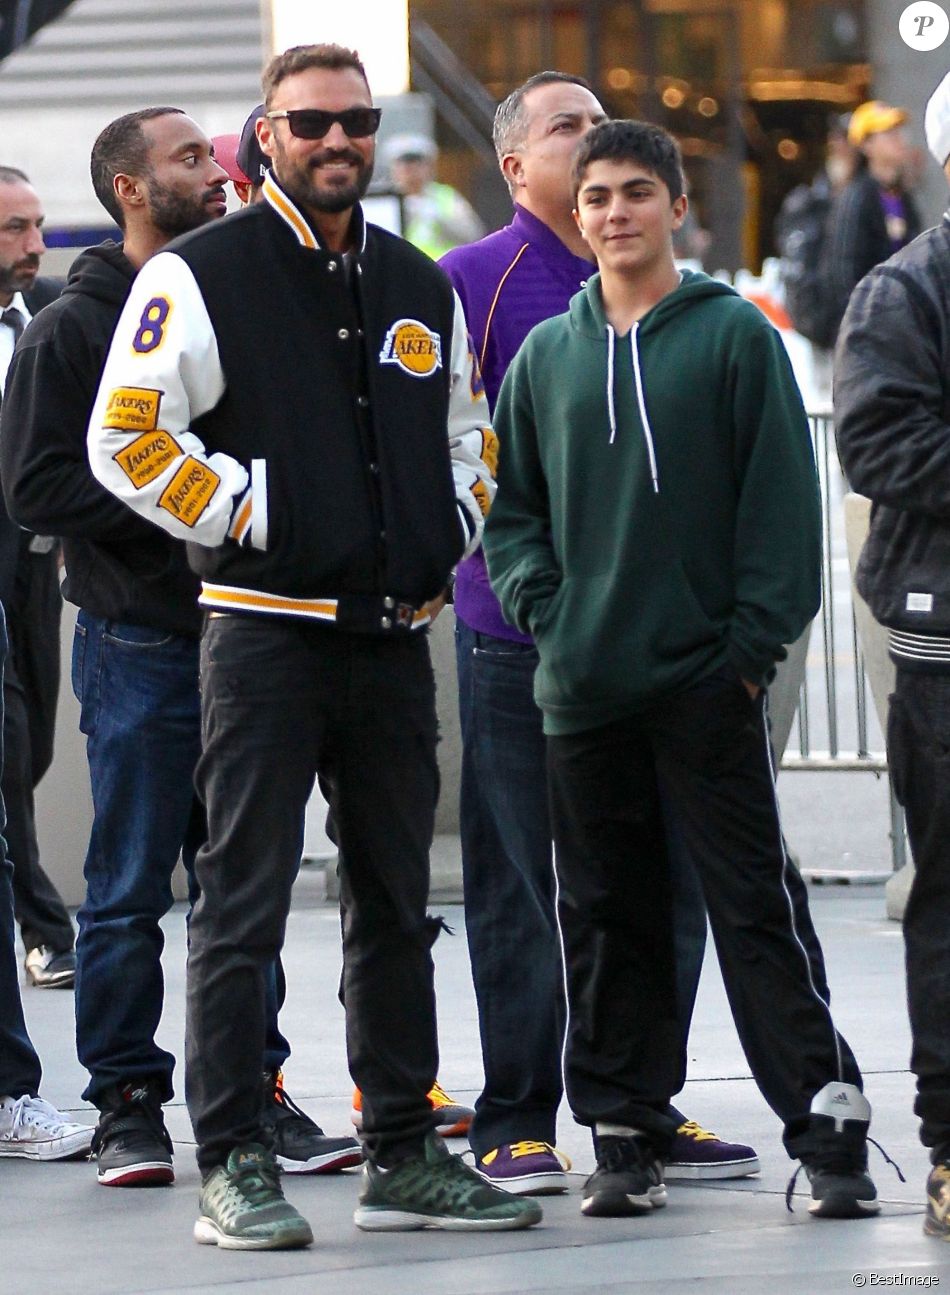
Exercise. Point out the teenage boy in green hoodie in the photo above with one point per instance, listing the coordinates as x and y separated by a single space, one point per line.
657 530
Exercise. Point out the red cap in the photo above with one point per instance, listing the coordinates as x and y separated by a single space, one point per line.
225 149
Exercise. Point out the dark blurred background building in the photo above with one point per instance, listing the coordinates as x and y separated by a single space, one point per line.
748 86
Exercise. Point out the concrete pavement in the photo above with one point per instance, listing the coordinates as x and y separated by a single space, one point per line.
60 1230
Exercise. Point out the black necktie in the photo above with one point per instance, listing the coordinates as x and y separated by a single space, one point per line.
13 319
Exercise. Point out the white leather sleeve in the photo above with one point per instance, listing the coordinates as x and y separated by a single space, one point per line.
473 445
162 372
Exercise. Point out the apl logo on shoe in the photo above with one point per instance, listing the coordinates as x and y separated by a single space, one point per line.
413 347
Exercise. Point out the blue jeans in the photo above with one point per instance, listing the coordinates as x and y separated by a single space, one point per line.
19 1064
138 690
509 887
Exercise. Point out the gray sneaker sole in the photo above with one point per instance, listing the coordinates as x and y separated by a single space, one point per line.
294 1236
58 979
331 1162
616 1204
380 1219
843 1206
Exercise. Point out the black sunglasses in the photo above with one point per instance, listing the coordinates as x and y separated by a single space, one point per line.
314 123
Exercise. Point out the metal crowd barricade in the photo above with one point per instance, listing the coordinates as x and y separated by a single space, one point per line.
845 683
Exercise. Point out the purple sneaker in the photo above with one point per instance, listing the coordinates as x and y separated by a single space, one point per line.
697 1153
526 1169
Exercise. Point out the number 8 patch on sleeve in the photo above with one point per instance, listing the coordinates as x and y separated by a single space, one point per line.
151 329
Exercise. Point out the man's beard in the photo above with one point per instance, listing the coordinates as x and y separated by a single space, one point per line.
301 182
177 213
19 276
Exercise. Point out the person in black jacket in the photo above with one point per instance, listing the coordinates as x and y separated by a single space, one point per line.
33 606
892 412
135 664
30 1128
875 214
293 391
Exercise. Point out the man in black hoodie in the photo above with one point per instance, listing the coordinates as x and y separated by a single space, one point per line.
33 605
135 660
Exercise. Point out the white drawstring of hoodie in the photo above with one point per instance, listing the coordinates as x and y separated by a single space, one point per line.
641 402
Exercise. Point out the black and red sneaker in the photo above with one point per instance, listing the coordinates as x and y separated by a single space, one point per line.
131 1144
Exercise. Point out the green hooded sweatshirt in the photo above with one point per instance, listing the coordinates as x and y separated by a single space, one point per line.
657 515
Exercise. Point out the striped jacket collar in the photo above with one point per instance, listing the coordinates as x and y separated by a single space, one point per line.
293 217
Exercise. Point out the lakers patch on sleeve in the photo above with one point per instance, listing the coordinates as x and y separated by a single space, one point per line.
132 409
489 455
147 457
190 491
482 497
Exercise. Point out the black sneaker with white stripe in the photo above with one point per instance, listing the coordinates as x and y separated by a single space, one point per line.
300 1145
131 1144
834 1154
628 1178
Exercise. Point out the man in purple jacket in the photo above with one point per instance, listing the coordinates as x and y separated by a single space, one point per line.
508 282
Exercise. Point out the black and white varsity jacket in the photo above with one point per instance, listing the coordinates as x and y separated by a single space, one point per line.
313 424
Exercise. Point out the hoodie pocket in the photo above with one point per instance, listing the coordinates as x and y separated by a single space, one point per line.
626 634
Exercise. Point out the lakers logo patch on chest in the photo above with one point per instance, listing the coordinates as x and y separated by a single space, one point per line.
413 347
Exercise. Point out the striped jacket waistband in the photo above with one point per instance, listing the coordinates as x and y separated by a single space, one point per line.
920 649
359 613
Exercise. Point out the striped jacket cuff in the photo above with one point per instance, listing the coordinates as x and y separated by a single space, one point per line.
241 520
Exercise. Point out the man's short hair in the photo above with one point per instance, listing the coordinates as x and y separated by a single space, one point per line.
511 118
300 58
122 149
651 147
13 175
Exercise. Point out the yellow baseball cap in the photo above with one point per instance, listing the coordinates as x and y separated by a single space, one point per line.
872 118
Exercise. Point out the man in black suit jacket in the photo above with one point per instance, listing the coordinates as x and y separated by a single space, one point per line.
29 591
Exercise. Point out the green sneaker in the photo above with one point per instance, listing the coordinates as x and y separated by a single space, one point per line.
243 1208
438 1190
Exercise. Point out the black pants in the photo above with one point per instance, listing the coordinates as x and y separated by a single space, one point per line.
918 751
30 694
705 753
282 702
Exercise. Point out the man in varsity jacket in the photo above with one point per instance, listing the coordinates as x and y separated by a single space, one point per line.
135 661
293 392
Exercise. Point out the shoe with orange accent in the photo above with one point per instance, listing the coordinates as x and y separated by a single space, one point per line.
454 1121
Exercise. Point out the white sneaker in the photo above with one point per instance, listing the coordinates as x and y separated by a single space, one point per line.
35 1130
47 969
